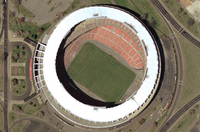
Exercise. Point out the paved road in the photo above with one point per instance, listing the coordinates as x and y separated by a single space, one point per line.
174 23
5 29
179 59
27 73
179 113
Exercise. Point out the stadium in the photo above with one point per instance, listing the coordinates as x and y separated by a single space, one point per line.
99 68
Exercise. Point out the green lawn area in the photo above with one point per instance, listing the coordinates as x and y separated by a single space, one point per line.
19 88
20 125
144 7
100 73
29 28
30 107
13 24
32 29
186 120
191 74
182 16
18 55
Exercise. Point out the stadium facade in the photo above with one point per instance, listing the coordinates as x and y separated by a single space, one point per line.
46 80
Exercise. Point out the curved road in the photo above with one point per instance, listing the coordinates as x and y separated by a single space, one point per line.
163 12
179 113
179 81
173 22
28 57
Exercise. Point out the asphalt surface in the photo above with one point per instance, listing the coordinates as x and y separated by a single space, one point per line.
179 113
174 23
5 29
179 80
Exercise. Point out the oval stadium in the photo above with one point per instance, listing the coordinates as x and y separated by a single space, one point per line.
100 67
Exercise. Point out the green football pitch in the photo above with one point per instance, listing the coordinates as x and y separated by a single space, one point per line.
100 73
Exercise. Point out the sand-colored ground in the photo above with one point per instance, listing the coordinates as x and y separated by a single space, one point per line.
185 3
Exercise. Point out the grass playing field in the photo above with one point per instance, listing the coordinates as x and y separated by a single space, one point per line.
100 73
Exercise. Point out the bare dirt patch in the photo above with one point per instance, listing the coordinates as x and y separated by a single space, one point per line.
185 3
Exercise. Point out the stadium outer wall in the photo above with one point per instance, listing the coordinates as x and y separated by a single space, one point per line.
40 84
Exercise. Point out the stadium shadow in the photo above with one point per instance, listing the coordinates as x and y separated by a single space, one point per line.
69 84
71 87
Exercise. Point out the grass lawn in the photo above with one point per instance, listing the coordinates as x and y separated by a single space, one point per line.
20 88
18 55
1 70
143 6
13 116
29 28
186 121
32 28
182 17
13 24
191 74
100 73
18 71
31 107
20 125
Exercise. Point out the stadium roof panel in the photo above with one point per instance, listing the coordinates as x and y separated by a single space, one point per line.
65 99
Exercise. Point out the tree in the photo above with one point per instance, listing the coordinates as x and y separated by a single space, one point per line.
180 10
144 16
34 36
192 111
155 124
190 22
142 121
40 30
159 100
152 22
20 20
14 81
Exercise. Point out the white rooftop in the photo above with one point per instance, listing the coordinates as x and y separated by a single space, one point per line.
71 104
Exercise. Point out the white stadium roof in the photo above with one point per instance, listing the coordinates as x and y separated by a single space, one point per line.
71 104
